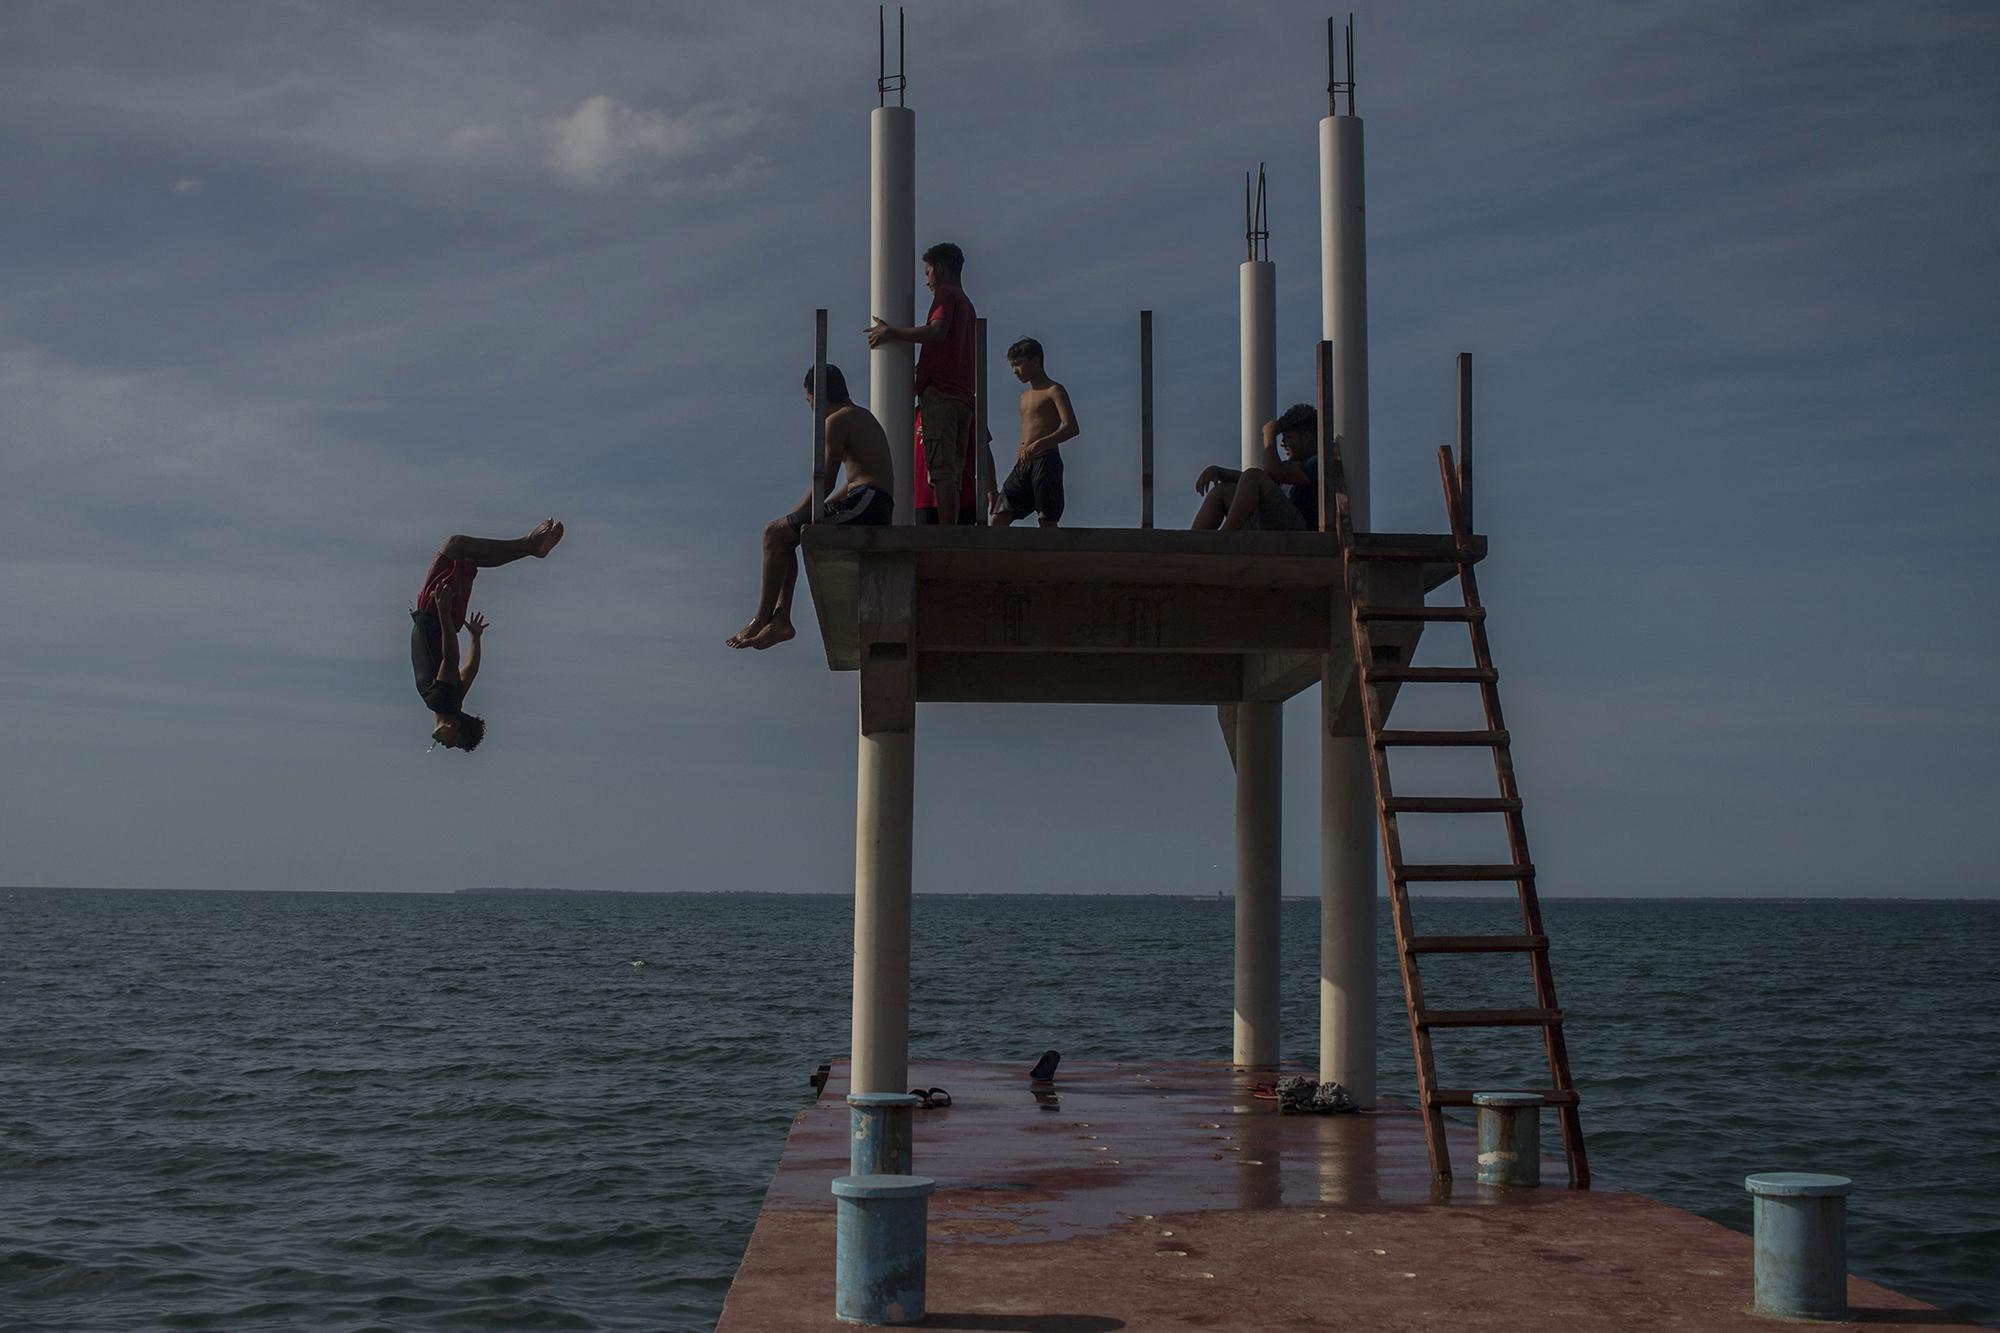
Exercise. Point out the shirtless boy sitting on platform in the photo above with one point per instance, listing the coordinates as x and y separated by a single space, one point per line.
1035 486
440 614
854 440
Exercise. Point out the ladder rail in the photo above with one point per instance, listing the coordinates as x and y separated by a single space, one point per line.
1517 830
1336 513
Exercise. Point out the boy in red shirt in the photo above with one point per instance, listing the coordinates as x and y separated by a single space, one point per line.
945 378
440 615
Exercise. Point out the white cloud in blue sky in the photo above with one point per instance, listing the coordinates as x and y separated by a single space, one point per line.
291 291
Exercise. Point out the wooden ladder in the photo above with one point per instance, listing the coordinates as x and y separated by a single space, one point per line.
1410 946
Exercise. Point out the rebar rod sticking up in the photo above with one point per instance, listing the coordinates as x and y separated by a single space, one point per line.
1335 85
885 82
1256 220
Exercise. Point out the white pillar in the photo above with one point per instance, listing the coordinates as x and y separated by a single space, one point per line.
1260 727
892 266
1343 257
1347 916
1260 753
1257 291
1347 813
884 787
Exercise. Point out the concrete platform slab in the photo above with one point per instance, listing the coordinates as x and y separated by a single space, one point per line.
1166 1196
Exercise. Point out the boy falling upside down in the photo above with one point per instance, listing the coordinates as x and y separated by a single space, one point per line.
440 614
854 441
1035 486
1281 496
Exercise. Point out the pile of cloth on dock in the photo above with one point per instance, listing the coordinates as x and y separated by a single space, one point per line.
1300 1093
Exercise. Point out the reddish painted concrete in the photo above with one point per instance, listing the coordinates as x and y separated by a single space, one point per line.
1164 1196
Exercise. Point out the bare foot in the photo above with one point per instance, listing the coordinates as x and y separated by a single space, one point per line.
544 537
771 635
741 638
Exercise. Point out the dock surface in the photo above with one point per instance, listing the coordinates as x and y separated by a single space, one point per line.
1167 1196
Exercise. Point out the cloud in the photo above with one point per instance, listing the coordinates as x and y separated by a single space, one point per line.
604 141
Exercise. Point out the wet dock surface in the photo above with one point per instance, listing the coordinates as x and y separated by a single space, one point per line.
1164 1196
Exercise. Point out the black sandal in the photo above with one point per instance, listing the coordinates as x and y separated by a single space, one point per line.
930 1099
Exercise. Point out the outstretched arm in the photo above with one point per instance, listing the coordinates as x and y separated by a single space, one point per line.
476 624
880 332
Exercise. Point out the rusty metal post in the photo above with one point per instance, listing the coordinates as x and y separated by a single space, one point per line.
1145 418
819 478
1465 436
982 453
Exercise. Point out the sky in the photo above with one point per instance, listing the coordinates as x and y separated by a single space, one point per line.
291 290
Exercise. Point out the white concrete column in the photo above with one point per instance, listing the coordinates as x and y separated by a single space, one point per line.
883 802
1260 755
892 268
1347 811
1257 293
1347 917
1260 726
1343 254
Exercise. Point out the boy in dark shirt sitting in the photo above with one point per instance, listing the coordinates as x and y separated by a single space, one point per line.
1281 496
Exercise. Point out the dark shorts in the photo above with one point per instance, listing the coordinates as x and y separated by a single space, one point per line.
1035 487
862 507
426 656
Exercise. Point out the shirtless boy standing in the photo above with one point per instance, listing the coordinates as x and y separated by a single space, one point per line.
854 440
1035 486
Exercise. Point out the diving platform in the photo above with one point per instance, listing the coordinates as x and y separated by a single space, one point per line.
1107 615
1166 1195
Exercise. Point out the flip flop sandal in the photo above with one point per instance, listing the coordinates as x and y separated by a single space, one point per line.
1265 1091
937 1097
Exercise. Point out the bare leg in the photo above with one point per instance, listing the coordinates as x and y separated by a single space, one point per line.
1045 522
1251 488
1003 517
947 507
1213 506
491 552
779 544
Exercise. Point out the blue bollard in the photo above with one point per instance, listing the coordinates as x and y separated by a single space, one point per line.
1510 1137
1801 1237
879 1248
883 1127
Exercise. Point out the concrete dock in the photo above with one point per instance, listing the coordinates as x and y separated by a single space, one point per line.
1167 1196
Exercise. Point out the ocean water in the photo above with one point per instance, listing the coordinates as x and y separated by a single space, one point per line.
355 1111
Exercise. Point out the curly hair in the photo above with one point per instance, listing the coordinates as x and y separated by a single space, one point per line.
1299 417
471 731
945 255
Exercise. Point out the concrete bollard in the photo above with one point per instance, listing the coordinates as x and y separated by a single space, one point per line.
879 1245
1800 1224
882 1125
1510 1137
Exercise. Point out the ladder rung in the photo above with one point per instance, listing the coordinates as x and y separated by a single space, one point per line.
1477 944
1489 1018
1453 805
1434 675
1466 873
1464 1096
1415 555
1388 738
1463 613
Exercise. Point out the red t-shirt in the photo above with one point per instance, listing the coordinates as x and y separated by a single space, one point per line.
945 362
452 578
